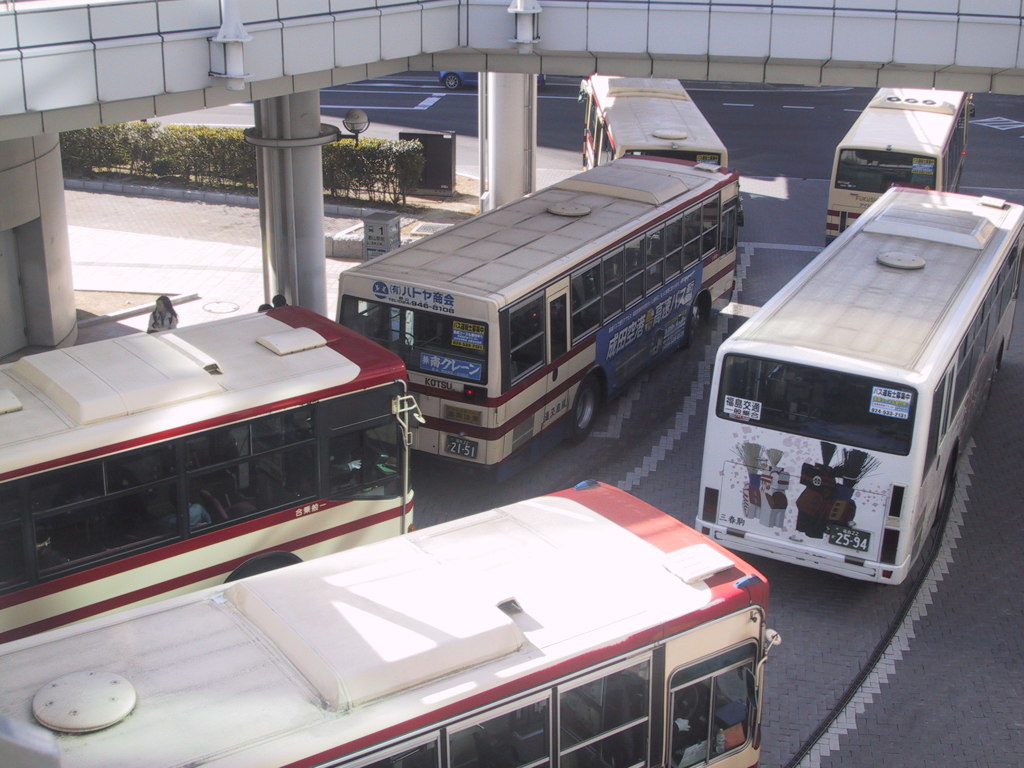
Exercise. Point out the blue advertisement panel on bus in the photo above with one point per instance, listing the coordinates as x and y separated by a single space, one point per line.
647 331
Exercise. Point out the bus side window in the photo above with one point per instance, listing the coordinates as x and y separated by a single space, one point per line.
526 337
515 738
712 707
12 550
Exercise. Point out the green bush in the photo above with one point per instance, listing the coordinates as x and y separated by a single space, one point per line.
219 158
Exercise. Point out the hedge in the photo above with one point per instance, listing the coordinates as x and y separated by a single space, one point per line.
219 158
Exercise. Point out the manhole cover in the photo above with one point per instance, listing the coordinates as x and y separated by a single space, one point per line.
221 307
428 228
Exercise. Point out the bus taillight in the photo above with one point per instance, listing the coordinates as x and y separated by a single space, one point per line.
890 543
473 394
710 510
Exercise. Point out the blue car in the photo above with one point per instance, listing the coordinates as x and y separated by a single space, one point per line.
455 80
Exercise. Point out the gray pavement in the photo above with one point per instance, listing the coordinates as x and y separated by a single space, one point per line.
205 255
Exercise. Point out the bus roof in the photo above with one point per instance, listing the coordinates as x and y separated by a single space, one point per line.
905 120
884 291
128 390
387 637
503 253
652 113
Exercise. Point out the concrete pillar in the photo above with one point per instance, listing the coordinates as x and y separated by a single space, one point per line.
508 139
288 136
37 300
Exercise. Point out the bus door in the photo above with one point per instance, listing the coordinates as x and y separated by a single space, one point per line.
557 300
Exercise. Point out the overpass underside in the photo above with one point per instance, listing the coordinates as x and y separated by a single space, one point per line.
67 65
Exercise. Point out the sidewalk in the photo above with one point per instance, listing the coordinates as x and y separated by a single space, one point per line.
206 256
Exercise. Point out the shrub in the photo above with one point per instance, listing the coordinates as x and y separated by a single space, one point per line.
216 158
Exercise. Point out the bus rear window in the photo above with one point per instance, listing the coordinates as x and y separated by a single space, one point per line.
873 170
428 342
818 403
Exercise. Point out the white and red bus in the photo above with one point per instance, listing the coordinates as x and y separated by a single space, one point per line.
582 628
904 137
515 324
153 464
645 116
838 411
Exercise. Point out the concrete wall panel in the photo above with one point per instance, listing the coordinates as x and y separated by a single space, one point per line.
357 39
308 46
928 6
187 62
617 28
562 28
440 30
257 11
987 43
264 57
672 30
994 7
804 35
186 15
399 33
123 19
127 110
12 88
863 37
489 27
743 33
52 27
59 76
923 39
128 72
8 32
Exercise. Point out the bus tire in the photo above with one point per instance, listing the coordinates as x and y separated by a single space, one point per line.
948 486
584 409
268 561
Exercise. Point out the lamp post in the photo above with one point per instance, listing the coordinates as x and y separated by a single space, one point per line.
356 121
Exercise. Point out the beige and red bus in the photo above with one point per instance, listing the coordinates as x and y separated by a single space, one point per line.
150 465
581 628
516 324
903 138
645 116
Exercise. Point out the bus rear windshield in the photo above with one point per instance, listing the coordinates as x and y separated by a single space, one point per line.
696 155
427 341
818 403
875 170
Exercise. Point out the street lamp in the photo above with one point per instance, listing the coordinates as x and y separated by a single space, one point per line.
356 121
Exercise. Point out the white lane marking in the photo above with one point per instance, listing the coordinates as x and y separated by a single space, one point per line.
730 104
794 106
846 721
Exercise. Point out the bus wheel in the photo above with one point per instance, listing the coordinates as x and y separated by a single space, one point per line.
584 409
948 486
268 561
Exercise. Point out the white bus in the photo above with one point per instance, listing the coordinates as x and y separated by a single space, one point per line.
153 464
645 116
903 137
583 628
516 323
839 410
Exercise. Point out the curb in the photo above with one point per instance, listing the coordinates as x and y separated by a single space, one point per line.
121 314
208 196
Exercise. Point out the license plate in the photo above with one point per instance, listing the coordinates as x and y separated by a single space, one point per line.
460 446
851 538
